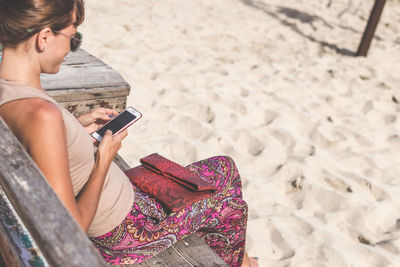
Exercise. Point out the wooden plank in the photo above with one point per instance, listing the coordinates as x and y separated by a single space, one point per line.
19 245
188 252
80 57
83 77
79 107
370 28
84 82
81 70
170 257
9 255
56 233
197 252
152 262
88 94
121 163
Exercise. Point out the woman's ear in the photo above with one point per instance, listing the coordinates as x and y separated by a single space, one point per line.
43 38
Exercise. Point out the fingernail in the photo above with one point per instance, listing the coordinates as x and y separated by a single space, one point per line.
111 116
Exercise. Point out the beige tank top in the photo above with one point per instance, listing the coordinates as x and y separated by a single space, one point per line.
117 196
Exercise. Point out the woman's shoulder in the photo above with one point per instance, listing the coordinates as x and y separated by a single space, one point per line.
41 116
33 116
30 110
43 110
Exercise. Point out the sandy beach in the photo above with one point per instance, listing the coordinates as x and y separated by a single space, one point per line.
314 131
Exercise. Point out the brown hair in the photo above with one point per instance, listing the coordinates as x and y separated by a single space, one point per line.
21 19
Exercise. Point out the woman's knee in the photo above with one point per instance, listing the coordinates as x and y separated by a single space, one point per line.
224 163
220 170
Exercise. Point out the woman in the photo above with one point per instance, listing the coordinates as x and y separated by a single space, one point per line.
125 224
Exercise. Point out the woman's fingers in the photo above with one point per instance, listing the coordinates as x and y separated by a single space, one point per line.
110 144
101 116
108 134
106 111
121 135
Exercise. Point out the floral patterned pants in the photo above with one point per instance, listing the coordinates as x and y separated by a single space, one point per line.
220 220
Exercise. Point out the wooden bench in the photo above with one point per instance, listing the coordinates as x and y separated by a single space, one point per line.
35 227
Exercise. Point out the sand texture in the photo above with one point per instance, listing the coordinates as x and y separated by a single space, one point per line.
273 84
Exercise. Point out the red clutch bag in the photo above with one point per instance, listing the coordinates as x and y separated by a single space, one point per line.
173 186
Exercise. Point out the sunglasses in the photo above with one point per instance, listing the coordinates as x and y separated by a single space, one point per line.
75 40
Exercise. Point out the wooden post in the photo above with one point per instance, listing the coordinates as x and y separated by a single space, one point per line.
370 28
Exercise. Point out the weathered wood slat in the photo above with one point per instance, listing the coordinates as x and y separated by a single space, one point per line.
94 93
81 57
188 252
56 233
197 252
79 107
121 163
191 251
84 82
152 262
170 257
8 252
82 78
17 246
81 70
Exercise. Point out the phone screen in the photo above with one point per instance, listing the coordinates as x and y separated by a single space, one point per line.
117 123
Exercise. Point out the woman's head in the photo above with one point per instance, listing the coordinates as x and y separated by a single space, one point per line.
21 19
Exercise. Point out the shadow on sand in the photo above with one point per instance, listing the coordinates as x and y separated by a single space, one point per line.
303 18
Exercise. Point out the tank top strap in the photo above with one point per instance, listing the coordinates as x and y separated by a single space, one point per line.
10 91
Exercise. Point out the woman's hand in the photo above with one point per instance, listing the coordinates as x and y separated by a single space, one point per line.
96 118
109 146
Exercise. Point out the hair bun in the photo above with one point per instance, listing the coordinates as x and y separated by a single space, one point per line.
21 19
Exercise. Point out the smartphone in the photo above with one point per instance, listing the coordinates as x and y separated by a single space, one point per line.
124 119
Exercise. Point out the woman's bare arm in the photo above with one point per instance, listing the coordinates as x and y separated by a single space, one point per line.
45 140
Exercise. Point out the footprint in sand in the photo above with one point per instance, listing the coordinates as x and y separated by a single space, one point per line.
391 245
295 228
175 100
317 137
248 142
162 114
371 226
279 248
301 151
200 112
389 175
271 241
172 84
365 184
335 182
318 252
179 150
261 118
191 128
284 138
328 200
